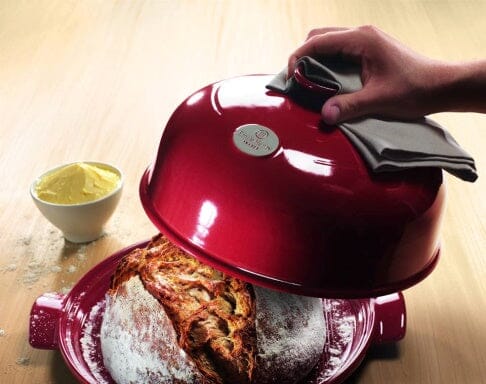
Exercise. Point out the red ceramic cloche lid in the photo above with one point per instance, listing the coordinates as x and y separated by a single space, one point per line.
253 184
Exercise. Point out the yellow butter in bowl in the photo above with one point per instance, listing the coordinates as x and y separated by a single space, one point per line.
77 183
78 198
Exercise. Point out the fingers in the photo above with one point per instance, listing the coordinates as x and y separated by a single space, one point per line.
322 31
336 42
348 106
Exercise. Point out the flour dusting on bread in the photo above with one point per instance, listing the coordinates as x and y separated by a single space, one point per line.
132 320
290 334
171 319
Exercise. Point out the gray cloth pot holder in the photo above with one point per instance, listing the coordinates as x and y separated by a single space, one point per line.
385 145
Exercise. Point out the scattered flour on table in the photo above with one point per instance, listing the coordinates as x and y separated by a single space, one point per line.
42 253
81 253
2 332
65 289
56 269
23 361
39 249
9 267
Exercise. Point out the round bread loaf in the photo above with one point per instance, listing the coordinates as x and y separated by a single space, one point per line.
171 319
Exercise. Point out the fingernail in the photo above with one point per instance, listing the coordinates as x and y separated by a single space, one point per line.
330 114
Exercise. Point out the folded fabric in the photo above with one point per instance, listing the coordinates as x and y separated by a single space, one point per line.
385 145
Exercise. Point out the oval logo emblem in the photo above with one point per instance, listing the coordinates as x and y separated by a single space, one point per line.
255 140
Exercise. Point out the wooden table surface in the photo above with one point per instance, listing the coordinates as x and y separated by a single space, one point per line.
97 80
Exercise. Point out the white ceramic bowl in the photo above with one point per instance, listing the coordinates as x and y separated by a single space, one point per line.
83 222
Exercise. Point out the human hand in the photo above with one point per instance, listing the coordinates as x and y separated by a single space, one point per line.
397 82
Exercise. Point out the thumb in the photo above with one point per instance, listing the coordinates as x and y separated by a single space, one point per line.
347 106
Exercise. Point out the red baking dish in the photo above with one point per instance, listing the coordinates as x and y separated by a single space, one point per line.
254 184
71 323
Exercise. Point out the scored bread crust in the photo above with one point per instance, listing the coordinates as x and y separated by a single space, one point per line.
139 343
222 330
213 314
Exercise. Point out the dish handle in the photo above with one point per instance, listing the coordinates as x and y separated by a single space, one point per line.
307 92
44 320
390 318
327 91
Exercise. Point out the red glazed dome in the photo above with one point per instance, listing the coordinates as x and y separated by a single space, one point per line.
253 184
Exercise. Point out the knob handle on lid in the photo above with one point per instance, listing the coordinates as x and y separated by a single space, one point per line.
326 91
308 93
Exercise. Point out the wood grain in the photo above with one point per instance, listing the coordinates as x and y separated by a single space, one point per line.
97 80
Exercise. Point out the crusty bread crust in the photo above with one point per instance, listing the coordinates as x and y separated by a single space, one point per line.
204 326
213 314
139 343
